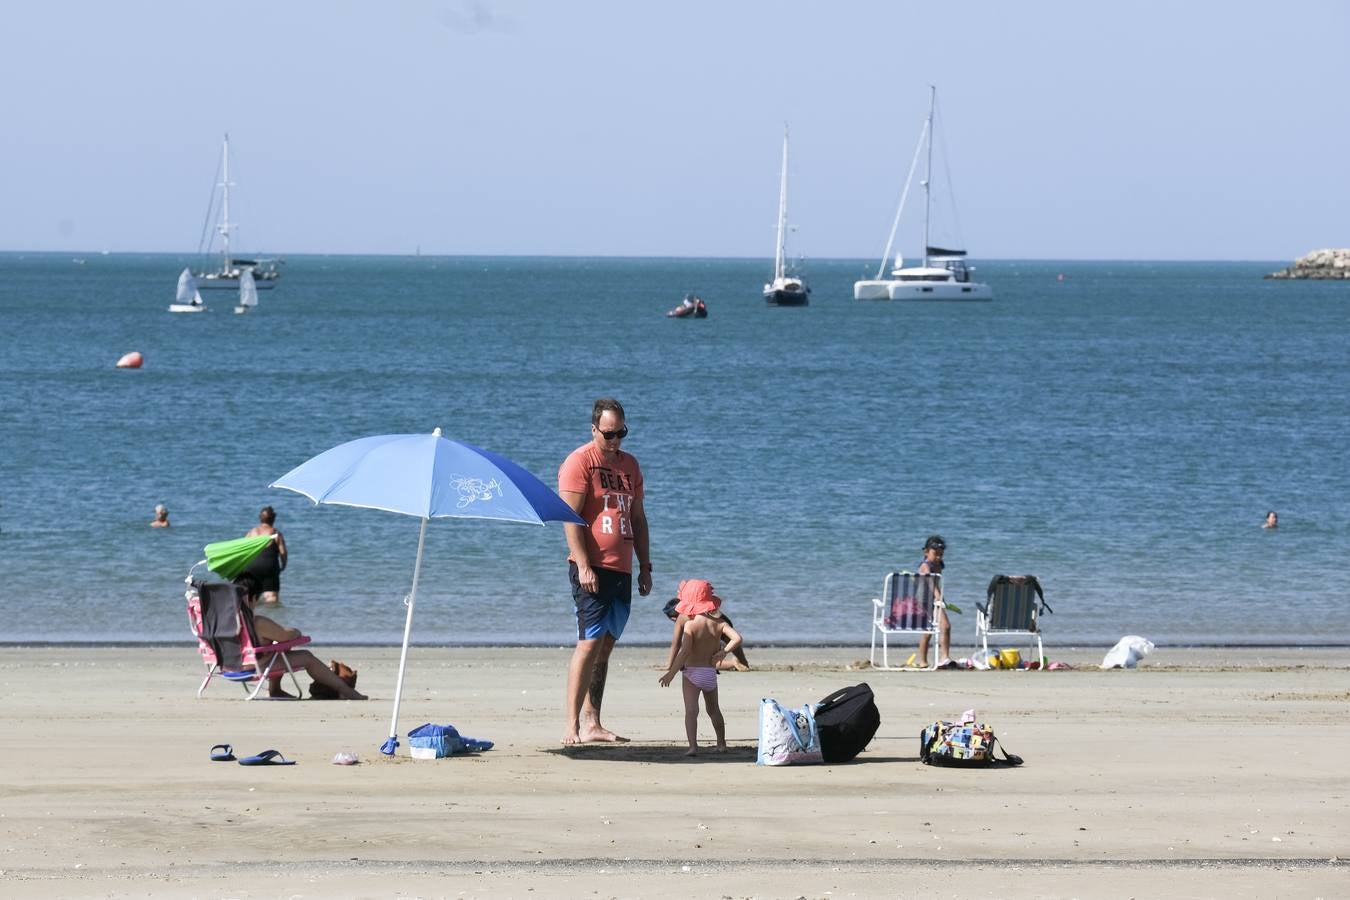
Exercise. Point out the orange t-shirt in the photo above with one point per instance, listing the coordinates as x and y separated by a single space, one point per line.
608 487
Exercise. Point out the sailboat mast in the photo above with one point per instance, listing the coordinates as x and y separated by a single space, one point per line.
778 263
928 175
225 203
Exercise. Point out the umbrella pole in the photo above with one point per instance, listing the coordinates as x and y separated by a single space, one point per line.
392 744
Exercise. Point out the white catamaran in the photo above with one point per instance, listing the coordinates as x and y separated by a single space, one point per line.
944 274
189 299
227 277
786 289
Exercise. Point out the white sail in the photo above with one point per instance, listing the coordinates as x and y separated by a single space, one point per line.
248 290
187 289
781 253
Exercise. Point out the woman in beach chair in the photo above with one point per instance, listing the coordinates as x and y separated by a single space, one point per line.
272 632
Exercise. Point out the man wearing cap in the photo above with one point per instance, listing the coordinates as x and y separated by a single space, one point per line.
604 485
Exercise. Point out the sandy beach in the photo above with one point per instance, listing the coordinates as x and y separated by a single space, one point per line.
1205 773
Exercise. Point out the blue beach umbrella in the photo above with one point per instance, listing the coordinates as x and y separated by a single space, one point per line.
430 477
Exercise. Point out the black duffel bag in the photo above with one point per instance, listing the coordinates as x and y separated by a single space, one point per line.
846 721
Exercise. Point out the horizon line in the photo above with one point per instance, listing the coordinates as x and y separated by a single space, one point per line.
629 256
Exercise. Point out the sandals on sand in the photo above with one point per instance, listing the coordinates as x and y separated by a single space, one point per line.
222 753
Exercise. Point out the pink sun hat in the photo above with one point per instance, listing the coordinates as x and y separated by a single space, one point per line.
696 598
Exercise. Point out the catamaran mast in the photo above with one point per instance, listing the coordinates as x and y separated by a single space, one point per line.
224 226
928 175
778 261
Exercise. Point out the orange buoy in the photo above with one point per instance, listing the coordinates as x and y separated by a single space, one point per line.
132 360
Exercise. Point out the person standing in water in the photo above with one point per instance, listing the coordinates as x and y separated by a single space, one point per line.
267 566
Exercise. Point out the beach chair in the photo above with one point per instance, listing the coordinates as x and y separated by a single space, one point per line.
1012 608
906 606
220 619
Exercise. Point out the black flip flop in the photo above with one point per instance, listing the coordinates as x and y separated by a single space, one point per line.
225 754
267 758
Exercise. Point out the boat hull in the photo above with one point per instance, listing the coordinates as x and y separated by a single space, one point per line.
922 290
787 298
186 308
214 282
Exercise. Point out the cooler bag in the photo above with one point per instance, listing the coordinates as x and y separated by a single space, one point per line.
846 721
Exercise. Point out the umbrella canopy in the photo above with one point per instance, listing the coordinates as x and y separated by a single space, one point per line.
229 558
430 477
427 476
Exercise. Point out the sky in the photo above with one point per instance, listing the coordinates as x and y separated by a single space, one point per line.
1149 130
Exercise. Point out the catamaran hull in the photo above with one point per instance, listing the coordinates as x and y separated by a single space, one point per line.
921 290
186 308
940 291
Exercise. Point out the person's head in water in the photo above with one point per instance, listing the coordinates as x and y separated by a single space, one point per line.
267 515
161 516
1272 520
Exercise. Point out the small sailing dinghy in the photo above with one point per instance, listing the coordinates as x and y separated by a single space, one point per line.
189 299
248 293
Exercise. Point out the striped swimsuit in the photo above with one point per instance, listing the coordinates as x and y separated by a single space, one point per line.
702 677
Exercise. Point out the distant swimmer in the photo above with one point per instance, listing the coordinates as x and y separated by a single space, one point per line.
1272 520
161 519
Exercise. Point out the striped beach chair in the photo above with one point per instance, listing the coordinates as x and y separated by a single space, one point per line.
1013 607
222 623
906 606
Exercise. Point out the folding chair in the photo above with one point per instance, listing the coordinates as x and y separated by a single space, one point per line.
906 606
220 619
1013 605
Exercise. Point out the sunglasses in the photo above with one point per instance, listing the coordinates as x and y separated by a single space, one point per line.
611 435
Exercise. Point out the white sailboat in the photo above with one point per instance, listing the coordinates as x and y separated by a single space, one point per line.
227 277
248 293
188 299
944 274
786 289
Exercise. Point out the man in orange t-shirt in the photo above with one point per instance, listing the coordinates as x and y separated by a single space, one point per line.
604 485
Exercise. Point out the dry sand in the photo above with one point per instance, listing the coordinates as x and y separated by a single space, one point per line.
1206 773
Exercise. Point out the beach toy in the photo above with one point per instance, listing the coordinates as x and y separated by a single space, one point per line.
1010 659
132 360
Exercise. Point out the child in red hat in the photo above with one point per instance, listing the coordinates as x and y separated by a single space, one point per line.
700 651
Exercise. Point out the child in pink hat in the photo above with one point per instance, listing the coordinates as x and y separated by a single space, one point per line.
700 651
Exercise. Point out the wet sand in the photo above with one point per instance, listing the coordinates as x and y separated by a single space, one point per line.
1204 773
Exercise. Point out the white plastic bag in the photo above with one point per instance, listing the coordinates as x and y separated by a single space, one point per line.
1127 652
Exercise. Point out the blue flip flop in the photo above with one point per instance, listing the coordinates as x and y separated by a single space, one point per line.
267 758
222 753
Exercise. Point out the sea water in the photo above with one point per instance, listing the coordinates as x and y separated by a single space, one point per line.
1118 429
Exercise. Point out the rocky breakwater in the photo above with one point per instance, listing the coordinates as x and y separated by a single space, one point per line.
1320 264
